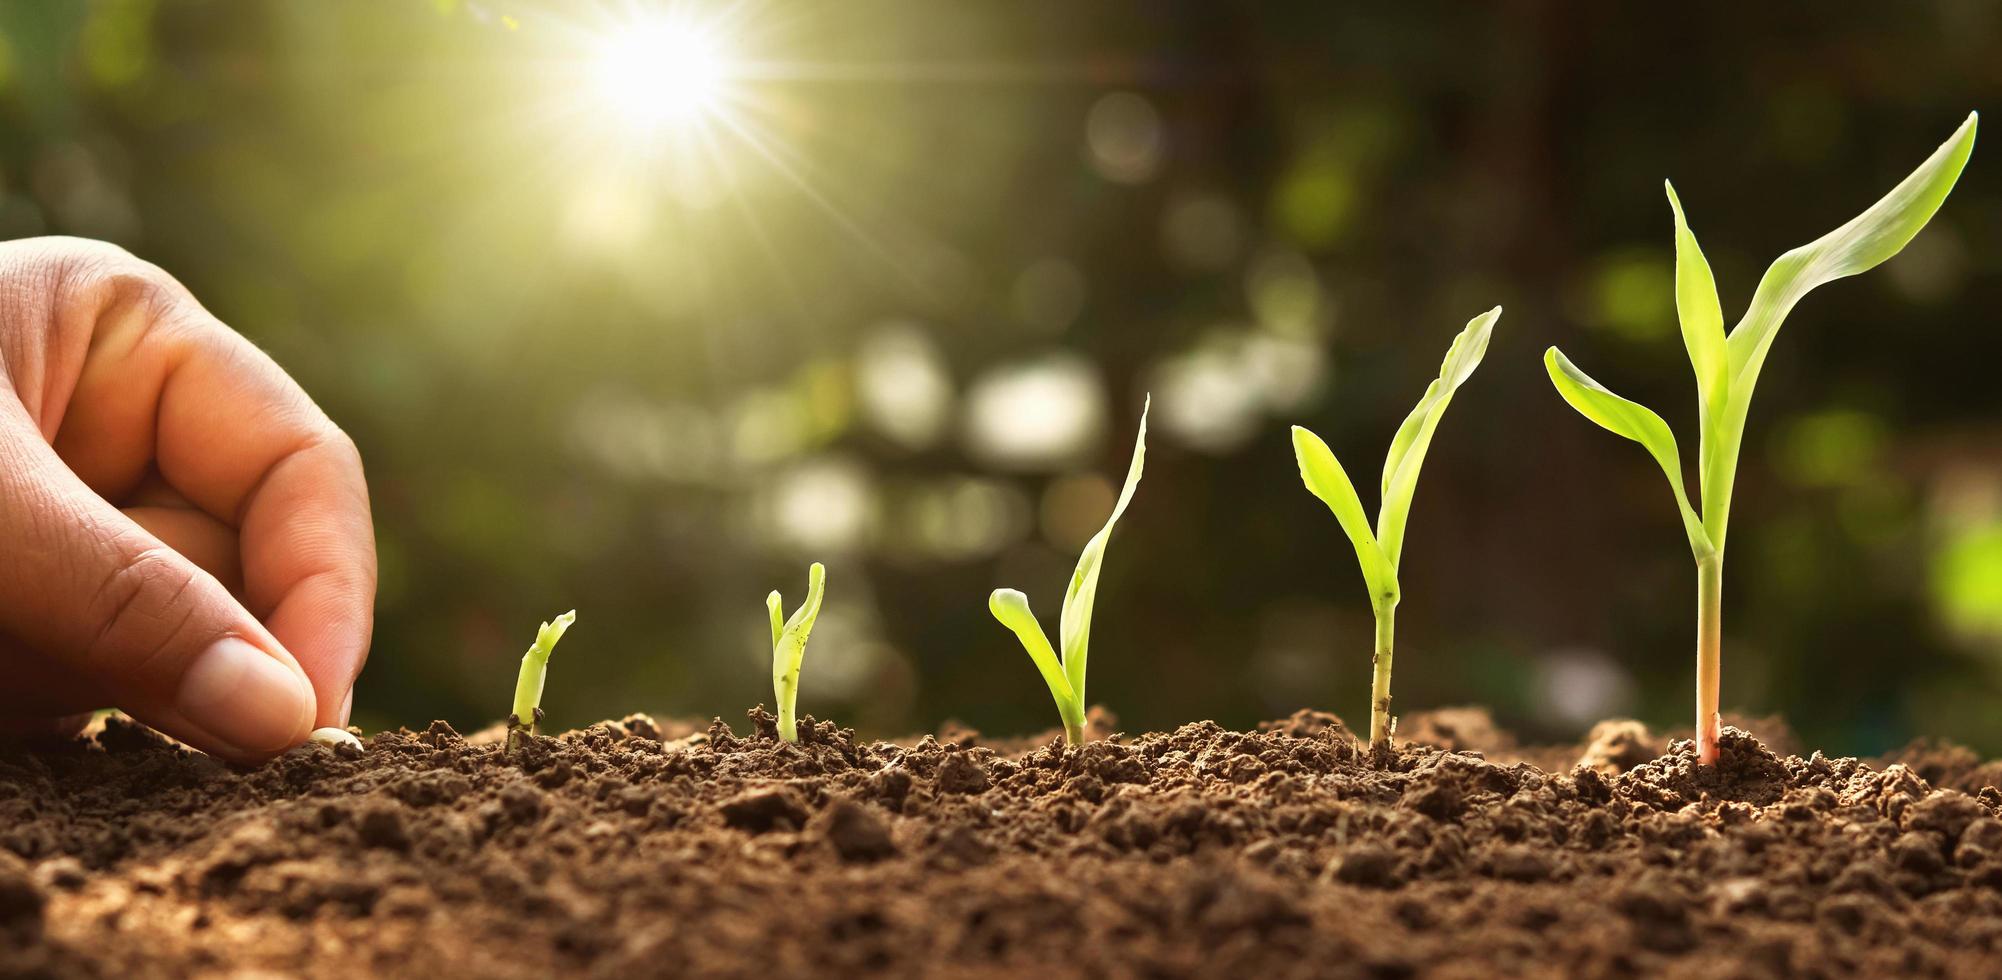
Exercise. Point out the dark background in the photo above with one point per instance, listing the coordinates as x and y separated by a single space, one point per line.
895 309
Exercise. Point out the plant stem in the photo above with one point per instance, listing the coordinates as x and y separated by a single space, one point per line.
1709 654
1379 692
1073 716
785 690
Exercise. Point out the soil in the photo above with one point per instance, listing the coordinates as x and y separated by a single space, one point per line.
629 849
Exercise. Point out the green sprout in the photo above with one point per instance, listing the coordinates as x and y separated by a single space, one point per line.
534 671
1066 677
1727 367
1380 550
789 646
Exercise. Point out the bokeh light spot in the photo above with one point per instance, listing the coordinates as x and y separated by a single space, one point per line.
1041 415
903 387
1123 135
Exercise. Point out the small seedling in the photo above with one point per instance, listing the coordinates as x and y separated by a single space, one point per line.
1379 551
789 647
534 671
1066 677
1727 367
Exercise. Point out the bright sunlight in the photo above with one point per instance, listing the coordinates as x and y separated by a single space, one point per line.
662 71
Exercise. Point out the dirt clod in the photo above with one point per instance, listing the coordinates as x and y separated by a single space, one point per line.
764 810
960 773
856 832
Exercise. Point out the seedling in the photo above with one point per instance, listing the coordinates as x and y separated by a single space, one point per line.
534 671
1727 368
789 647
1378 551
1066 677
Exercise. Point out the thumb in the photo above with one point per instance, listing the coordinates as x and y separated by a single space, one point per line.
141 626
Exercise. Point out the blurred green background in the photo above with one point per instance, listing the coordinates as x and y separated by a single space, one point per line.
891 298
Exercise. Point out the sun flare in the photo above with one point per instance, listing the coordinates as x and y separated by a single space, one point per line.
662 72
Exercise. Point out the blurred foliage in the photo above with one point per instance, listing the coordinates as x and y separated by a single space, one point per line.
899 314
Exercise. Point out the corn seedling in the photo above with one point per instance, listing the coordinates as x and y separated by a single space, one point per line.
534 671
1066 677
1379 551
789 638
1727 367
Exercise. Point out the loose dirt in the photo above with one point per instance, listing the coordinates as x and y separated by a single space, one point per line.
629 849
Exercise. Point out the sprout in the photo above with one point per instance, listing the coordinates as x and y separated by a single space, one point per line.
1728 367
1066 677
535 670
1379 551
789 647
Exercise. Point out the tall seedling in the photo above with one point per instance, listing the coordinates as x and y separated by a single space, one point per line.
1065 677
1727 368
1379 550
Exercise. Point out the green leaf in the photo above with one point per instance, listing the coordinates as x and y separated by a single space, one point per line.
1326 479
1859 245
801 623
1865 241
775 609
1702 317
1636 422
1407 448
1011 608
1075 626
550 632
535 668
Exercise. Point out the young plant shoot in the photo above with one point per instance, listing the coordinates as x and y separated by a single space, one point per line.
789 647
1727 368
1379 550
1066 677
534 671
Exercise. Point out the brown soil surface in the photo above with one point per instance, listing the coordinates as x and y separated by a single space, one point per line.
627 850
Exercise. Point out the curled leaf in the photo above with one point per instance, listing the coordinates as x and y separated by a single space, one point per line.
1325 478
1634 421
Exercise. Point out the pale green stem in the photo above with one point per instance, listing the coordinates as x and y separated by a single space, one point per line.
1379 693
1709 654
785 687
528 694
1073 715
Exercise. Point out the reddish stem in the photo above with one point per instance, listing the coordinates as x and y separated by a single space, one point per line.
1709 655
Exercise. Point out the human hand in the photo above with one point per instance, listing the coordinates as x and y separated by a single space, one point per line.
183 533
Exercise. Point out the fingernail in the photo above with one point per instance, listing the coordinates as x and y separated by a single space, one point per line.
244 697
347 707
